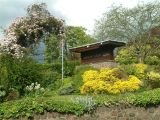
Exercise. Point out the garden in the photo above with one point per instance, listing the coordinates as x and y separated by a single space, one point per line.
28 86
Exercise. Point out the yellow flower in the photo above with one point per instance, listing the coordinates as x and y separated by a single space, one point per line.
107 81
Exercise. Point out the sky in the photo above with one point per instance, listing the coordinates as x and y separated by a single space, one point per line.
74 12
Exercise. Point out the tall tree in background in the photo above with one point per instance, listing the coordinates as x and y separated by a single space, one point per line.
137 26
75 36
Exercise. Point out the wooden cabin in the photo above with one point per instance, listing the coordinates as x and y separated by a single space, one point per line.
97 52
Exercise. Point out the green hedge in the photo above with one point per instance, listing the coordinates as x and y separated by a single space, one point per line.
69 67
144 99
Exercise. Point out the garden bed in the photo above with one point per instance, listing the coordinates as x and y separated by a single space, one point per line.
78 104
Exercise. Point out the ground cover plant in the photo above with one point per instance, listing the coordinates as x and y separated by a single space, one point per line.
75 104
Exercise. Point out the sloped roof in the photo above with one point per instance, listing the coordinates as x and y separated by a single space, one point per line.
96 45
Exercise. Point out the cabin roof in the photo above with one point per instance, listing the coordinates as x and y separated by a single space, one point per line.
96 45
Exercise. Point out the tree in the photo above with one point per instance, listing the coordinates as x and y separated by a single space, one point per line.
52 49
26 31
74 36
134 25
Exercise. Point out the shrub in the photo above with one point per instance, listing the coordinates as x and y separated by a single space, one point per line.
127 56
138 70
13 94
152 60
87 101
107 81
153 79
18 73
67 87
2 93
144 99
48 77
34 89
69 67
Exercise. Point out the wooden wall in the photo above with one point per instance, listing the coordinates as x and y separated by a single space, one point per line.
101 54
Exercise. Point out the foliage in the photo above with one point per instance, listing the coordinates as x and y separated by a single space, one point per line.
153 79
108 81
69 67
2 93
126 56
52 49
139 26
48 75
13 94
145 98
87 101
76 104
152 60
18 73
66 86
74 36
28 106
139 70
77 36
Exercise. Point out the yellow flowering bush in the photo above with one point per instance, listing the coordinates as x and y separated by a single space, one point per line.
109 75
90 75
107 81
140 67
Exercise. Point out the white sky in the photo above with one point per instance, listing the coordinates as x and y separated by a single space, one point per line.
75 12
84 12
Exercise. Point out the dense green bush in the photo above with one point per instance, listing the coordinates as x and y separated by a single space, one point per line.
145 98
69 67
18 73
152 60
66 87
49 76
127 56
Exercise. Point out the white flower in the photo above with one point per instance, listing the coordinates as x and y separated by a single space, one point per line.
37 87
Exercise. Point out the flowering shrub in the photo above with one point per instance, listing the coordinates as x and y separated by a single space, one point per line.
26 31
140 67
90 75
108 81
153 79
34 88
